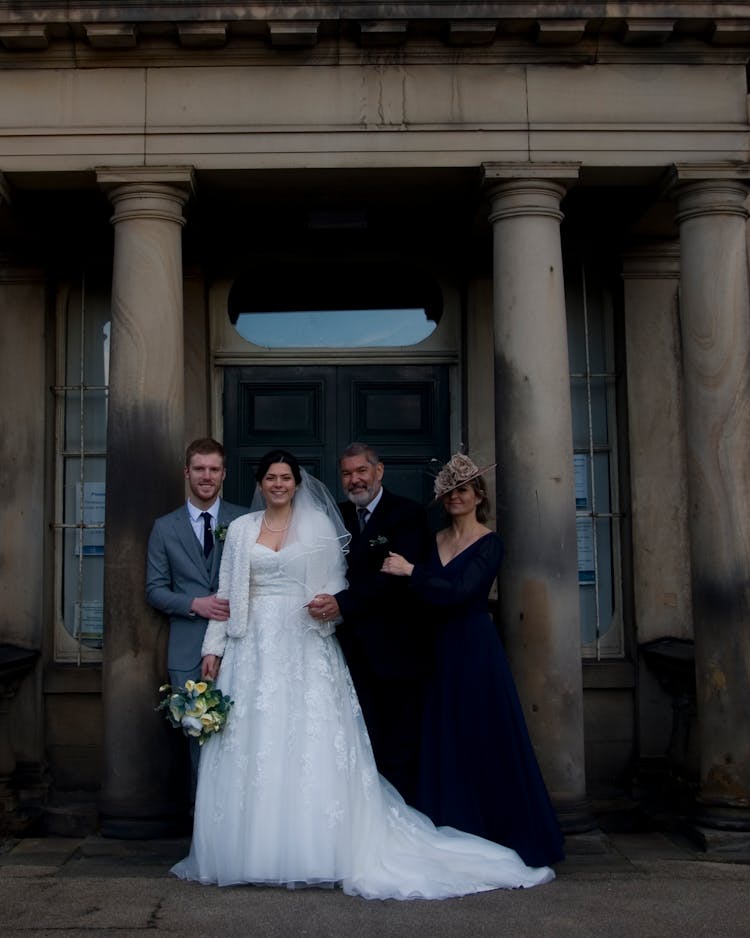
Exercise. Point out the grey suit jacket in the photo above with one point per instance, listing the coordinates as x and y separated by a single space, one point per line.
177 572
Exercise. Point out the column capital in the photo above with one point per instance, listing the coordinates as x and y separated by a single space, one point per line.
711 197
158 192
709 189
652 260
13 270
525 189
526 197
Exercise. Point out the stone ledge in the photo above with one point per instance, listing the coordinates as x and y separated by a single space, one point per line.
121 26
731 846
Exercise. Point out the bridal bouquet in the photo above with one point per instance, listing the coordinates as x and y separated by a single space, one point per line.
198 709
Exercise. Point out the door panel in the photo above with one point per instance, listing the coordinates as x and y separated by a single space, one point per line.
316 411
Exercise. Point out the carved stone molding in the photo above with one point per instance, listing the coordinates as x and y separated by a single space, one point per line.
201 24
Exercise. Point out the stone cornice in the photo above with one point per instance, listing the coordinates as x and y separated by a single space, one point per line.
28 26
371 9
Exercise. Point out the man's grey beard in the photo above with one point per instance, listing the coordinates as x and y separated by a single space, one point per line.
360 499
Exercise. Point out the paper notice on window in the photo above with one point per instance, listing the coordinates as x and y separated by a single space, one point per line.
581 473
90 621
90 508
585 541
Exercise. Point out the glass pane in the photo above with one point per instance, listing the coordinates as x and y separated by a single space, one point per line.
599 426
580 410
395 411
271 411
83 585
590 356
84 415
576 334
602 483
94 314
340 328
85 411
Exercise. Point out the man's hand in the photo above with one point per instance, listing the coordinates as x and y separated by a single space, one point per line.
324 607
210 665
211 607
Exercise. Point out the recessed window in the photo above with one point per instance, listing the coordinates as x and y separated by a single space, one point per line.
332 305
81 397
598 517
336 328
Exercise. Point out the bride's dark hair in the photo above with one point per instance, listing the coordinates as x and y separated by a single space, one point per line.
278 455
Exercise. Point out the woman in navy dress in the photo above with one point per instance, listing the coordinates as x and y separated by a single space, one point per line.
478 770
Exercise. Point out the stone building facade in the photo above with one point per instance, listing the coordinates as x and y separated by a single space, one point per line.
553 195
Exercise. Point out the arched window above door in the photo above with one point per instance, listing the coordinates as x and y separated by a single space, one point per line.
327 304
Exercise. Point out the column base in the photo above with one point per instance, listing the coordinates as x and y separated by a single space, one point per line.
721 844
587 843
151 828
722 817
575 815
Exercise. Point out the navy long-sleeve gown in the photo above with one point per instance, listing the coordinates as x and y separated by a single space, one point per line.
478 769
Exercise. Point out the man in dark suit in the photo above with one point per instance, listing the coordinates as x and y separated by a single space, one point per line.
182 568
384 637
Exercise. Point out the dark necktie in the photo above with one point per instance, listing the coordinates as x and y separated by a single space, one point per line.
362 514
208 538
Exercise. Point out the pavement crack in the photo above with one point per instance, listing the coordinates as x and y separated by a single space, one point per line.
153 919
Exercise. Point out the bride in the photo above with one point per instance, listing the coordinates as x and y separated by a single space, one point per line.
288 794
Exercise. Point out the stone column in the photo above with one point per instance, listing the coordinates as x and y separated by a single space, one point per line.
24 514
715 318
145 441
535 486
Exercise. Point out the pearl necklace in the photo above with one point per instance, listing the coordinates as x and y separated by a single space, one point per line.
274 530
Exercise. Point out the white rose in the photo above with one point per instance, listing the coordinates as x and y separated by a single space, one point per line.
192 726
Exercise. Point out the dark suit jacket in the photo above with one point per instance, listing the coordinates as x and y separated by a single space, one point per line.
382 622
177 572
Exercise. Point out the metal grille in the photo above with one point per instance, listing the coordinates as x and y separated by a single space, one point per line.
598 516
78 592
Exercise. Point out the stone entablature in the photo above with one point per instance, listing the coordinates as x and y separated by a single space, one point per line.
553 27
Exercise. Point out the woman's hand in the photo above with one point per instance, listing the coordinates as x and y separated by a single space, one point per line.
397 565
210 665
324 607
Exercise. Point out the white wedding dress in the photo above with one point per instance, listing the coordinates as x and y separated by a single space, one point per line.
288 794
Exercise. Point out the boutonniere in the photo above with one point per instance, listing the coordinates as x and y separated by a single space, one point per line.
380 541
220 532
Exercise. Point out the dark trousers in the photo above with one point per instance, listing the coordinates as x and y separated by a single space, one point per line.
392 709
177 679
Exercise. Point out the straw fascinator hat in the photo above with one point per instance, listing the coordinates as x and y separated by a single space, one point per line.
457 471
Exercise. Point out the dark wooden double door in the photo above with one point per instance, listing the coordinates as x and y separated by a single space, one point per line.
314 412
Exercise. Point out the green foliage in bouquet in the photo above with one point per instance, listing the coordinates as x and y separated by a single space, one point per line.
199 708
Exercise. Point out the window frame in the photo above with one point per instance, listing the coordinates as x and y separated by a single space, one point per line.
70 647
610 643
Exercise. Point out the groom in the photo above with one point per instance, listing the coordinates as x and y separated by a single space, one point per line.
387 649
182 568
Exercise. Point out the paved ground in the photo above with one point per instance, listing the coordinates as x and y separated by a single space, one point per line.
637 884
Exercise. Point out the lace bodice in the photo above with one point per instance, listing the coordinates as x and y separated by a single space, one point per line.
272 573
